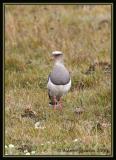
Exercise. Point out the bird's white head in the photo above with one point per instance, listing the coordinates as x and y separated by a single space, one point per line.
57 56
57 53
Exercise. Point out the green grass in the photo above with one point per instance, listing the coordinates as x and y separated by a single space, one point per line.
32 32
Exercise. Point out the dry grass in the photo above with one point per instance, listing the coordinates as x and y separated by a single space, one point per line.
83 33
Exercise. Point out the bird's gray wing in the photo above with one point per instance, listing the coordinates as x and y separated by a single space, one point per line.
51 97
59 75
48 89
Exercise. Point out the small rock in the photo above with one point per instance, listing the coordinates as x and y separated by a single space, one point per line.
11 146
38 125
27 153
6 146
33 152
42 144
75 140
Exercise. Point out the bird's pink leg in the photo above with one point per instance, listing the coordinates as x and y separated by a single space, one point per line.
54 102
60 102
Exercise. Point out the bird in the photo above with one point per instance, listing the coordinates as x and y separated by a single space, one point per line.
59 80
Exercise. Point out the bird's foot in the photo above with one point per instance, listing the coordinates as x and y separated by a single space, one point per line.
55 102
60 104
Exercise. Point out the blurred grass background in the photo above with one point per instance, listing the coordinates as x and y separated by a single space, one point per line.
83 34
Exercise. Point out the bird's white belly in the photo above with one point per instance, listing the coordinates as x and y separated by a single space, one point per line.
58 90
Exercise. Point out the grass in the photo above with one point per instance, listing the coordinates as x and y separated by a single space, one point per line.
32 32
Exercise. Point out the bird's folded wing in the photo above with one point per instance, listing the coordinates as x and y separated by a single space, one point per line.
59 75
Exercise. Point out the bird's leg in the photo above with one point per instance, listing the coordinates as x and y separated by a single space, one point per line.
60 102
54 98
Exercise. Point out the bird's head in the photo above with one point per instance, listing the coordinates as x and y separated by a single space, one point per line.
57 56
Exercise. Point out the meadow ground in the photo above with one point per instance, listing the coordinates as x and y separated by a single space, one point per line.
83 33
